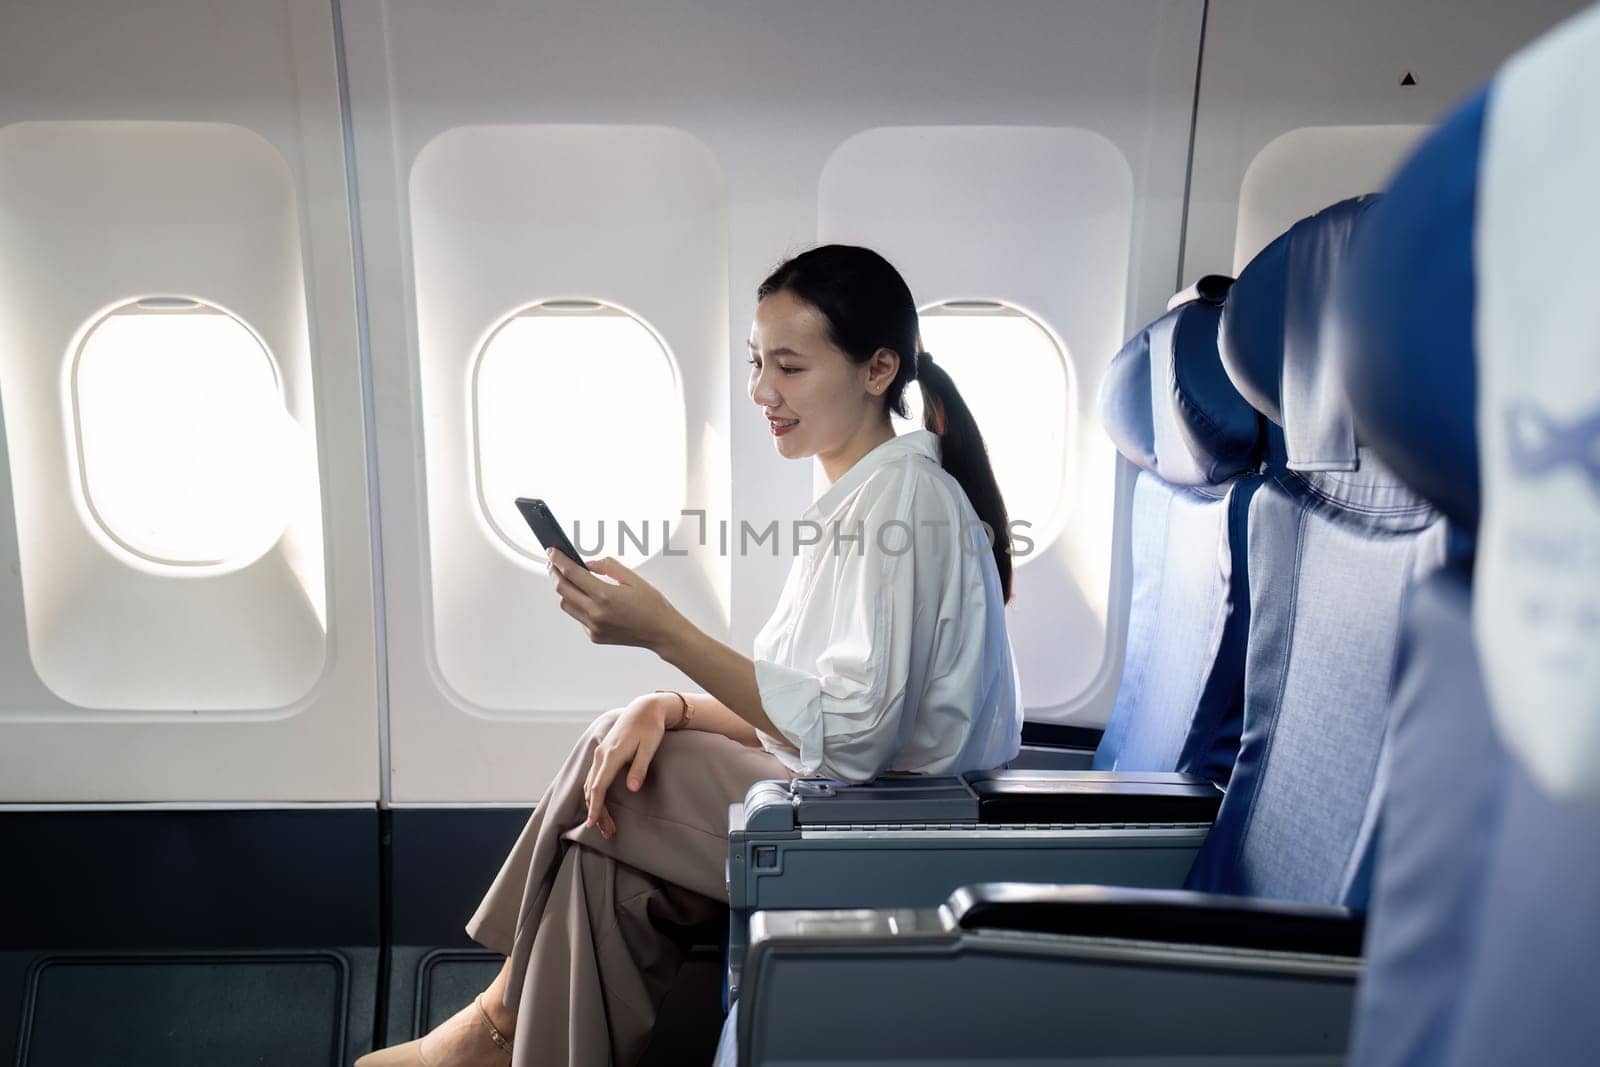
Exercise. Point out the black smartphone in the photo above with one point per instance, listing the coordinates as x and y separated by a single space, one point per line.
547 529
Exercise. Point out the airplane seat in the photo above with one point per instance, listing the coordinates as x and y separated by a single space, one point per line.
1485 926
1169 408
1335 541
1417 338
1334 544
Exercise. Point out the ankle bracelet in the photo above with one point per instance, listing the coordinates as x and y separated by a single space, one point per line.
494 1033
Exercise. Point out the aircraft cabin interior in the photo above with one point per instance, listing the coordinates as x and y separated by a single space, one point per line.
744 532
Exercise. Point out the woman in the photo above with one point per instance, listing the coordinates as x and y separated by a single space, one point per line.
887 651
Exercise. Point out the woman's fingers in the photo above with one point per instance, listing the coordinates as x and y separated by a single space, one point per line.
630 744
579 578
641 762
569 580
605 774
588 787
609 567
597 790
623 611
571 594
588 627
582 607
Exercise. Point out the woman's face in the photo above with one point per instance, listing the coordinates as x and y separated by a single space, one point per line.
816 400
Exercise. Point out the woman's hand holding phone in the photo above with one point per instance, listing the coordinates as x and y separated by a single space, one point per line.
631 743
614 605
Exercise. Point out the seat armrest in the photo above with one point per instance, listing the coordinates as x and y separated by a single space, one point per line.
912 841
1168 915
1051 973
1089 797
982 798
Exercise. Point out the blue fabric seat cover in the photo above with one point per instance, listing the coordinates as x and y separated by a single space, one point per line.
1169 407
1485 915
1335 541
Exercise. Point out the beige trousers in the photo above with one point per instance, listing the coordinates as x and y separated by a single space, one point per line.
575 913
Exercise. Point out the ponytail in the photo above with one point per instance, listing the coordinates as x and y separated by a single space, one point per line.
963 454
868 306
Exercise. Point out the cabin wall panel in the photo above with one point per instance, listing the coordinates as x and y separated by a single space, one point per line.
772 90
1024 209
1303 171
502 214
106 629
1272 67
250 89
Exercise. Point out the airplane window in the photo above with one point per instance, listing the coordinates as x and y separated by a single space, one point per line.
1012 372
187 454
577 402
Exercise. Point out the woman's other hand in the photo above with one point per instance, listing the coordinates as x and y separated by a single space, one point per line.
624 610
630 744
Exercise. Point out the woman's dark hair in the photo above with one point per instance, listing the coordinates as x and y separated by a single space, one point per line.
868 306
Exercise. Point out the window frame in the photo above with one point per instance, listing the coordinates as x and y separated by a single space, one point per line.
564 306
156 304
1044 534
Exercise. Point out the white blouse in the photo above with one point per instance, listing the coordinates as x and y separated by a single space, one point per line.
888 648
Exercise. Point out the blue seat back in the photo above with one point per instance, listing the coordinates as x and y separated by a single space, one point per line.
1485 915
1408 295
1170 409
1335 541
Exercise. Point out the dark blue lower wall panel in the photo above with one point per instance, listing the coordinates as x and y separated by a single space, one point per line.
145 937
177 1009
189 937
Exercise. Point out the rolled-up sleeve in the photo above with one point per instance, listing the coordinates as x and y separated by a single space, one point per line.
840 716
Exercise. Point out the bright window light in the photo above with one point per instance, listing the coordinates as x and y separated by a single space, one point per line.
578 403
1013 376
186 450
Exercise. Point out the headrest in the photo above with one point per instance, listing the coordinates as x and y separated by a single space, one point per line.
1167 403
1271 338
1405 306
1212 288
1536 251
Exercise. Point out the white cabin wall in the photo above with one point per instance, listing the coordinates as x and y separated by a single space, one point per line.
502 214
141 684
749 104
1275 66
1022 208
772 90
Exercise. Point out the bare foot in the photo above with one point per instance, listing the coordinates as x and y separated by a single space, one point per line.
463 1041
